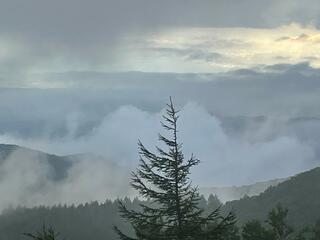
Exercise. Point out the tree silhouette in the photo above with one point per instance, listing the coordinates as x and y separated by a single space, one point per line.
253 230
277 220
316 230
44 234
163 178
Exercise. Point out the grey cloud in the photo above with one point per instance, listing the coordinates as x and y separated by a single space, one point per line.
302 68
253 155
81 20
278 90
69 20
300 38
88 34
191 53
283 39
250 119
288 11
116 138
206 56
284 58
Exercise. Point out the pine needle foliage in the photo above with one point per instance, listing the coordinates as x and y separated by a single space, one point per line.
164 179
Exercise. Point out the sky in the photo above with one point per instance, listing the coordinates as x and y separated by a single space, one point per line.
171 36
80 76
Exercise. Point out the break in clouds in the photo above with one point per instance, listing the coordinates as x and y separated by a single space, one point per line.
227 159
56 36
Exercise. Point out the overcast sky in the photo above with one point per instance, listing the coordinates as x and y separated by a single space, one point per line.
148 35
94 76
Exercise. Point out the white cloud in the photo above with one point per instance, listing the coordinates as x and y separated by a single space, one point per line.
225 160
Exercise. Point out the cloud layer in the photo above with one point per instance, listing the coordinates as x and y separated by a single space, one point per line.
42 36
225 160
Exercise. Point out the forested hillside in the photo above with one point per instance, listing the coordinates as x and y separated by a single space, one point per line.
58 165
83 222
231 193
300 195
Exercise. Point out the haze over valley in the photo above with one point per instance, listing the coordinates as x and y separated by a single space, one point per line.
172 119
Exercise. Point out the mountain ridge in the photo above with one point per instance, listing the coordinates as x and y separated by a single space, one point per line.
300 194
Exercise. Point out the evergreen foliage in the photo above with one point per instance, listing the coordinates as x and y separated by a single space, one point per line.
213 203
277 228
299 194
277 219
44 234
81 222
174 212
310 233
316 230
253 230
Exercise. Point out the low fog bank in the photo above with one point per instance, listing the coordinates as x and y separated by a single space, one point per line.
226 159
30 178
230 193
279 92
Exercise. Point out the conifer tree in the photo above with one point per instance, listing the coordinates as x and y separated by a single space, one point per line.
254 230
213 202
44 234
163 178
277 219
316 230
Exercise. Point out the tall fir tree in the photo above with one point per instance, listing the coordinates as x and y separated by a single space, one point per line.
163 178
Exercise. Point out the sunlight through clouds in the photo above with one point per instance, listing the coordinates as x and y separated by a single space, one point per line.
222 49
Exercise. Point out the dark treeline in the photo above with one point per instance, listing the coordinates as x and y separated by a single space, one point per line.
86 221
276 227
95 221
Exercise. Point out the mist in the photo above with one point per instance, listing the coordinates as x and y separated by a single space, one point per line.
225 159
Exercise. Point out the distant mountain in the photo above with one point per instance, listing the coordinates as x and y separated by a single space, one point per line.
226 194
58 165
31 178
300 194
